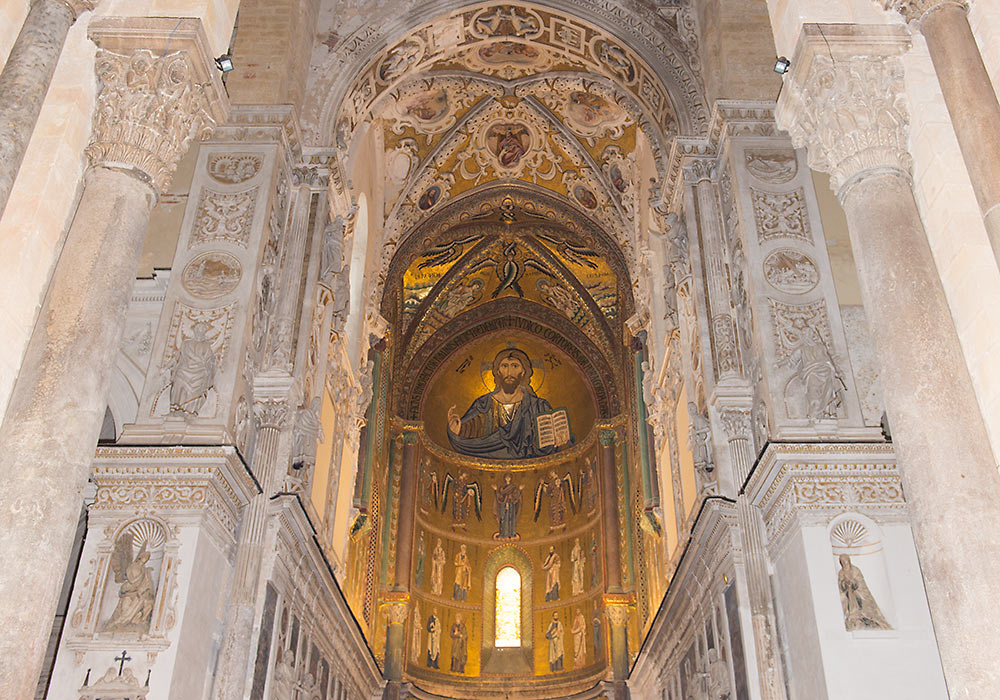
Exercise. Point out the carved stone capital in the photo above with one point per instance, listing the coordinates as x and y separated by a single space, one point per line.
916 10
396 612
844 101
76 7
700 170
608 437
736 423
270 414
158 90
618 614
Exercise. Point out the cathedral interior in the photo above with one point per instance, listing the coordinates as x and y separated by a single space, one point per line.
431 349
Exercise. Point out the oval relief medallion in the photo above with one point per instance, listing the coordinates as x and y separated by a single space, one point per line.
212 275
790 271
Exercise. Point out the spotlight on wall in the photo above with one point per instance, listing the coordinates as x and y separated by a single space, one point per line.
225 63
781 65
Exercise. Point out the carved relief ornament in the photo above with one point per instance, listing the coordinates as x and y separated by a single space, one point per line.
916 10
157 92
845 101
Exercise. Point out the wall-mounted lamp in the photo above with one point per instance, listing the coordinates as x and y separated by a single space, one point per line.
781 65
225 63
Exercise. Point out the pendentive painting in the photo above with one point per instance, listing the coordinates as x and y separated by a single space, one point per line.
508 396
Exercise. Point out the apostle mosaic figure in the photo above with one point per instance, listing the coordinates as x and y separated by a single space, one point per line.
437 569
459 644
503 424
556 636
598 633
577 560
463 575
579 631
588 485
508 504
861 612
551 566
433 640
193 372
595 566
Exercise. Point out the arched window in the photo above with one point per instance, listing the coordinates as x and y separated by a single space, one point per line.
508 608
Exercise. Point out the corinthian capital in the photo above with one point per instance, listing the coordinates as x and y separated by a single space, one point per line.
844 100
77 7
158 90
915 10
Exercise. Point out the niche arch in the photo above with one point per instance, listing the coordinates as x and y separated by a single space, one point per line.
515 661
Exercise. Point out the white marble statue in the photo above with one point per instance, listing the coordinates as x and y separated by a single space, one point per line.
136 594
305 433
861 612
193 373
700 440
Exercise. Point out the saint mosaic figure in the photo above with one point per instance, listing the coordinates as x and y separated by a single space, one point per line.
465 493
437 569
428 487
588 486
560 491
504 423
136 594
595 566
577 560
579 630
598 633
418 576
433 640
193 373
459 645
416 638
508 504
556 636
551 566
861 612
463 575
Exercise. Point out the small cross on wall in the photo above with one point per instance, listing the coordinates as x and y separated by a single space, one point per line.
123 658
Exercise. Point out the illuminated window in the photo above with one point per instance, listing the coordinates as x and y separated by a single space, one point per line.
508 619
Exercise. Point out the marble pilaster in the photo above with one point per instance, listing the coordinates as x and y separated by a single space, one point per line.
844 102
154 99
26 77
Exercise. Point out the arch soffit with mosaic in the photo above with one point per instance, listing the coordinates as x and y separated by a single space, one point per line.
664 55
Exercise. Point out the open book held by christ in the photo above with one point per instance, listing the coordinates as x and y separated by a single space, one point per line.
553 429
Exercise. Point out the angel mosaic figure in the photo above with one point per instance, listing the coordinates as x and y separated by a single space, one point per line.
560 490
464 494
136 595
429 487
588 486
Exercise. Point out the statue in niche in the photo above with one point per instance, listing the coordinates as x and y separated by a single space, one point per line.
459 644
718 677
415 640
577 560
433 640
136 594
463 575
332 254
418 576
504 424
193 372
815 378
242 428
861 612
700 440
556 636
437 569
465 493
579 630
551 567
508 505
306 432
560 490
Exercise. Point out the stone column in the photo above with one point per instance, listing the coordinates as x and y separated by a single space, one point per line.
701 173
25 79
844 102
270 412
396 613
618 619
407 502
736 423
969 95
609 495
153 100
